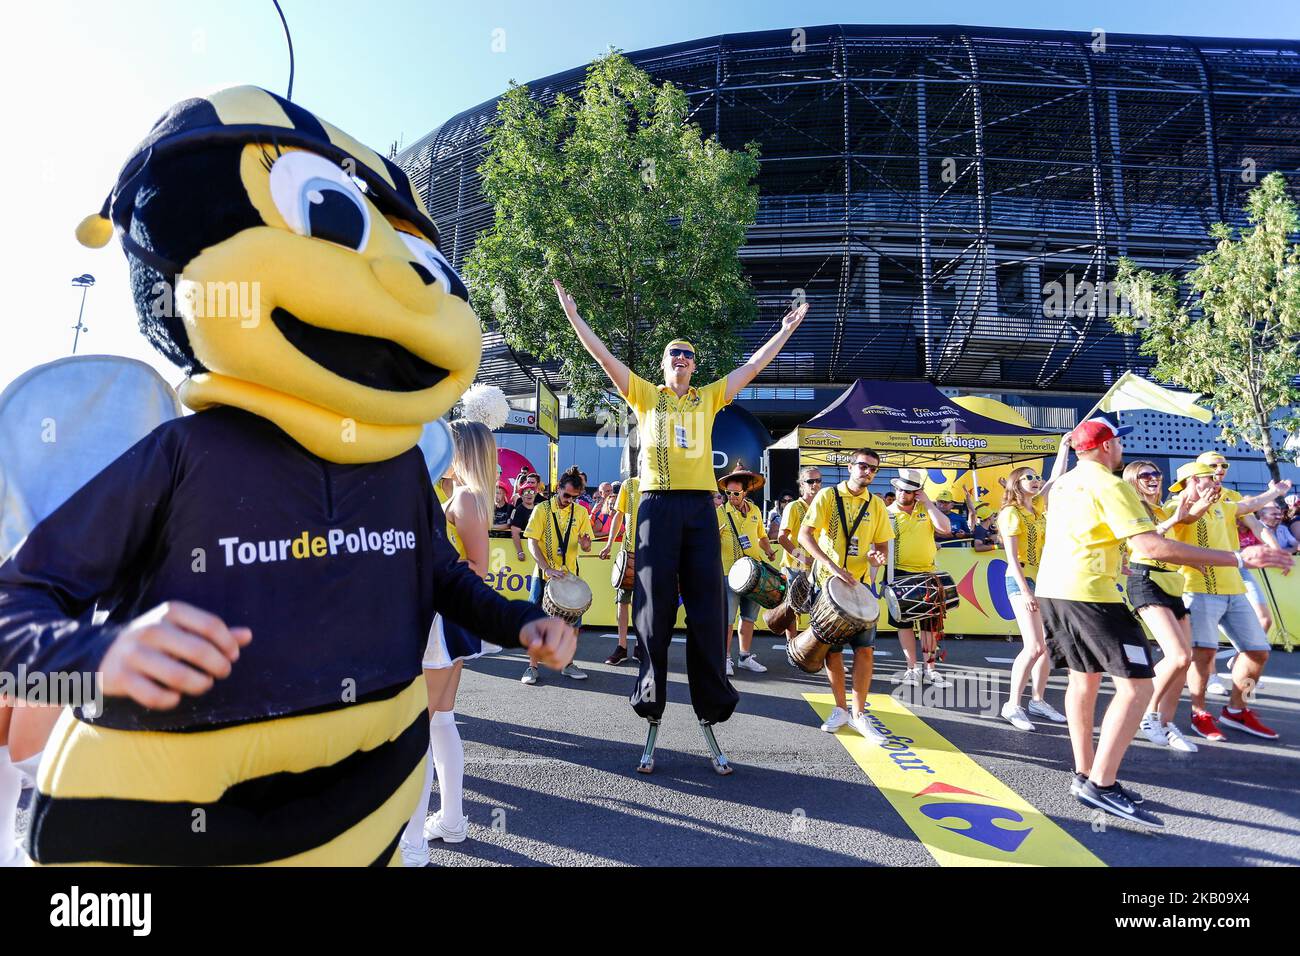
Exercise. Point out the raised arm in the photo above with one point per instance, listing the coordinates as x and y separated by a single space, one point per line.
760 360
618 372
1276 489
1149 544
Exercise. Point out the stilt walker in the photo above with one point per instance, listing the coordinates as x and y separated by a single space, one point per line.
677 541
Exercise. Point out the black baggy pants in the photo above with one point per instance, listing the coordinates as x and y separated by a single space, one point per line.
677 546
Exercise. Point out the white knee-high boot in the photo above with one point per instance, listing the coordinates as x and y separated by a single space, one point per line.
11 788
414 832
449 755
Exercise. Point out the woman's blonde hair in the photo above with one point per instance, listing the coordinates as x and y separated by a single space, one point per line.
1131 476
1011 493
475 462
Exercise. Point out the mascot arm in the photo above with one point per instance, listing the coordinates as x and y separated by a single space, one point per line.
87 550
461 596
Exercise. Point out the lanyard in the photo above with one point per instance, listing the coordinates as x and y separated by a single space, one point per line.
844 523
564 538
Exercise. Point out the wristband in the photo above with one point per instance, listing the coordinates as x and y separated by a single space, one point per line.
1241 562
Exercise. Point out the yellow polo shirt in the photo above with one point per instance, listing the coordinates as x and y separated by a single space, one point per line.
915 550
1217 529
791 520
1091 511
1030 527
573 521
832 537
629 497
749 525
676 434
1162 513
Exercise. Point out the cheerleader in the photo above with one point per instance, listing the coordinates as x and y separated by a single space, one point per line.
1155 592
469 510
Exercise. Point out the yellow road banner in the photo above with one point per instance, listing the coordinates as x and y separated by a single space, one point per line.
961 813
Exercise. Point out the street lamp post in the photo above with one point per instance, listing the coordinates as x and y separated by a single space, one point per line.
84 281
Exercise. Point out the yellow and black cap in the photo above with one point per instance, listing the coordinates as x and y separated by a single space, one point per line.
245 114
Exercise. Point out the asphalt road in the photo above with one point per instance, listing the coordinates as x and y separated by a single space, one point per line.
550 779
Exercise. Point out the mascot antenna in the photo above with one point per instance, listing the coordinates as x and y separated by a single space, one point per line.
289 40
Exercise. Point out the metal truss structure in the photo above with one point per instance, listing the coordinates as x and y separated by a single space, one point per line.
951 200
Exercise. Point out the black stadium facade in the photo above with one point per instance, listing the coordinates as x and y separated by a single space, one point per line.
948 197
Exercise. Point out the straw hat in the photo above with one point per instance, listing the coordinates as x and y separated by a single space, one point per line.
752 481
909 479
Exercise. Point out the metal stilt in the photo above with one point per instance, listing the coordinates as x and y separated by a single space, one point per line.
718 758
647 764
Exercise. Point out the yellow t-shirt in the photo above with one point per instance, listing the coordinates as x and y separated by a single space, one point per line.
1090 512
791 520
915 550
1234 535
1029 527
1217 529
749 525
573 521
1162 513
629 496
676 434
832 536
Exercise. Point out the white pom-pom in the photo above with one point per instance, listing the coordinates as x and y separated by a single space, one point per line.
486 404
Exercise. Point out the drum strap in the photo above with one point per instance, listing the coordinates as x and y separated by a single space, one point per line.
564 538
735 533
889 569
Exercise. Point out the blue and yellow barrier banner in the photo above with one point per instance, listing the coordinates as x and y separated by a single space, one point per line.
978 576
961 813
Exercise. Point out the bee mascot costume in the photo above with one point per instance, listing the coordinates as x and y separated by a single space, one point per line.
255 583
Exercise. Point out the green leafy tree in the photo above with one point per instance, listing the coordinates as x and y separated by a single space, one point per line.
639 215
1237 336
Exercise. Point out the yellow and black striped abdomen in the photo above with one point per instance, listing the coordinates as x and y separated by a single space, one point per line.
333 788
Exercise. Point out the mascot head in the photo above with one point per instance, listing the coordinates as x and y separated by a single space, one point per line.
292 272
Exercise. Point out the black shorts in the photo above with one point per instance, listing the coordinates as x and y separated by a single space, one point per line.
1144 592
1096 637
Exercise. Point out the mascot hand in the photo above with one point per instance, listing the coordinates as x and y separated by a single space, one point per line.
550 641
173 649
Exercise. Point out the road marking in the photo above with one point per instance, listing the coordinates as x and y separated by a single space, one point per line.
1000 660
961 813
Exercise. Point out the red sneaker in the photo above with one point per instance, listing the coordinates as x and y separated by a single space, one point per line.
1247 721
1204 725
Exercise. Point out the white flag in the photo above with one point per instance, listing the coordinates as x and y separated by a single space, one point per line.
1135 392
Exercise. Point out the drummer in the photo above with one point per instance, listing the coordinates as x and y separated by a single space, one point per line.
915 528
846 530
555 532
629 493
740 528
793 557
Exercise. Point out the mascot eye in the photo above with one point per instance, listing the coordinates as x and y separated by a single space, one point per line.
318 199
433 260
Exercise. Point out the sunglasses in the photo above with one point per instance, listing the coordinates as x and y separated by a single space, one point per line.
1031 477
812 481
1219 467
865 466
735 494
1150 476
681 353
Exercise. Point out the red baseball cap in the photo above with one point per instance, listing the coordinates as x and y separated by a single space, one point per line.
1098 429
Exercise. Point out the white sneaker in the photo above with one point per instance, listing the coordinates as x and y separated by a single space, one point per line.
1154 730
414 854
1177 741
1015 715
1216 686
932 676
911 677
1041 708
867 729
750 663
838 718
731 668
435 830
572 670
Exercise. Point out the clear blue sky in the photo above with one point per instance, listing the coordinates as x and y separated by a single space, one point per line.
85 80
